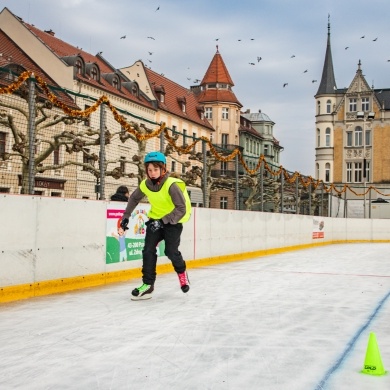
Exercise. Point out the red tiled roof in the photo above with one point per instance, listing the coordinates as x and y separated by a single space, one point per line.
173 94
63 49
220 95
217 72
12 54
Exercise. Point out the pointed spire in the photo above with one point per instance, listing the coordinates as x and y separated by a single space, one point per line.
328 81
217 71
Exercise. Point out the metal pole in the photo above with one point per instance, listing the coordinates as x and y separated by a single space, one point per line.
237 185
322 200
369 203
204 184
102 157
262 186
281 191
31 136
296 195
162 141
309 188
364 165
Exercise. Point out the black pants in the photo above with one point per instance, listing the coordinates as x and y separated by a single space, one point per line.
171 235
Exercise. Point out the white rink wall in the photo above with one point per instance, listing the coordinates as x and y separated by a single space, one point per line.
45 239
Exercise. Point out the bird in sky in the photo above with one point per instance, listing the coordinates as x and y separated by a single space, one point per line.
252 39
305 71
239 40
347 48
157 9
293 56
123 37
217 39
362 37
313 81
285 85
374 40
251 63
151 38
259 59
150 53
196 81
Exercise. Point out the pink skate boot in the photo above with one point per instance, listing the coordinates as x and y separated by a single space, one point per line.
184 282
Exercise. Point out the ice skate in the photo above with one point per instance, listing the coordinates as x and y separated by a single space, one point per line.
184 282
143 292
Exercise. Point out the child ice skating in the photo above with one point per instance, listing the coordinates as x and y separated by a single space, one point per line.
170 208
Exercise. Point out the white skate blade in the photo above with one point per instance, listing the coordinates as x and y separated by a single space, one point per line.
141 298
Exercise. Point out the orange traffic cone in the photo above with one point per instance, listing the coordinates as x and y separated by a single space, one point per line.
373 362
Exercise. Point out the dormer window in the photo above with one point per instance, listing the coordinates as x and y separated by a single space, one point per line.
78 67
160 93
115 82
200 110
211 86
94 73
182 102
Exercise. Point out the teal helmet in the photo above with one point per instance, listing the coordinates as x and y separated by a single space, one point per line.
155 157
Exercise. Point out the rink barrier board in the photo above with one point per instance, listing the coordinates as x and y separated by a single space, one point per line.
48 287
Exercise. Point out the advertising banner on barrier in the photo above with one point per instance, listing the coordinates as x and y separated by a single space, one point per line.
318 227
127 245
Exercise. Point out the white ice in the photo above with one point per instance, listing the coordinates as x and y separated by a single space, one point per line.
297 320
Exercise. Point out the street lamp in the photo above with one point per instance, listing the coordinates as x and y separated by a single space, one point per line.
370 116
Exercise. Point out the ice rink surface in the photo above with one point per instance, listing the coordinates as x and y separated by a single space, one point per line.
293 321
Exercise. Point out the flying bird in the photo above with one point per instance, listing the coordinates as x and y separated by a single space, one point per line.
157 9
151 38
150 53
124 36
285 85
239 40
374 39
362 37
305 71
347 48
313 81
251 63
293 56
217 39
259 59
252 39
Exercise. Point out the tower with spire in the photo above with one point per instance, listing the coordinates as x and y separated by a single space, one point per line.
352 133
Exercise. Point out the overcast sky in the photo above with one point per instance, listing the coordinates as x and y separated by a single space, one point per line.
184 44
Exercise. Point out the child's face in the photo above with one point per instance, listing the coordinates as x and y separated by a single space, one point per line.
154 172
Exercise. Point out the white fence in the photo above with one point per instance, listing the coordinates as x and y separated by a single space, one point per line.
56 244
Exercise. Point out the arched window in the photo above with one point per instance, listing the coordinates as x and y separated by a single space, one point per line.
317 170
318 138
318 107
358 136
327 172
78 67
328 106
327 136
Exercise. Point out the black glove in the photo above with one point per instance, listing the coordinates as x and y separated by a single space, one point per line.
155 224
124 223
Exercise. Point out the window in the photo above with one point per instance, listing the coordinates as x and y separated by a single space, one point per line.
4 190
266 151
223 168
174 130
318 171
78 67
328 106
358 172
3 139
184 137
193 140
318 107
368 138
352 105
225 140
327 136
246 144
349 172
358 136
225 113
349 138
183 106
318 138
208 112
327 172
223 203
122 164
94 73
183 169
365 104
115 82
56 194
173 166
